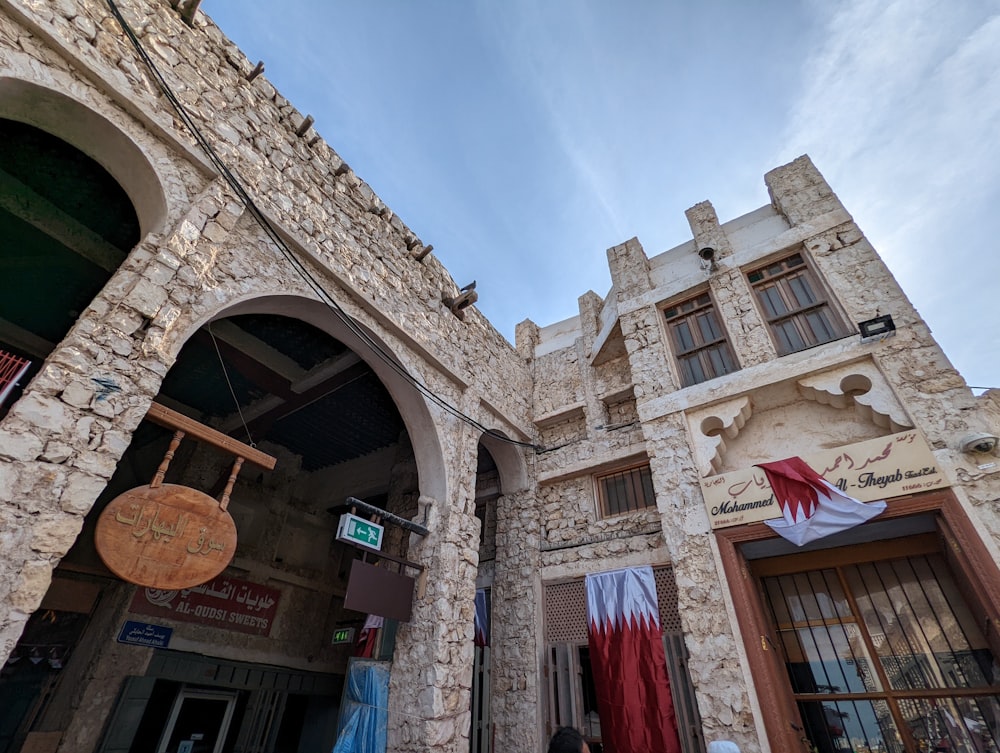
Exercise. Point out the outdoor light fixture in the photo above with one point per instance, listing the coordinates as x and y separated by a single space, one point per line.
878 328
707 255
979 443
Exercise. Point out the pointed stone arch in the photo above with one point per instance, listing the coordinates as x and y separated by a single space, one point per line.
509 458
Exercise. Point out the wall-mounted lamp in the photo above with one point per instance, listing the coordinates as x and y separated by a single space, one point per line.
878 328
707 255
979 443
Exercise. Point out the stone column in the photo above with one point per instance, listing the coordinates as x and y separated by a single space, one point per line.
516 701
640 324
713 656
799 191
62 440
748 333
713 663
431 678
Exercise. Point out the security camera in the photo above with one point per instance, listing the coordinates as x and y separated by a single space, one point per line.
981 443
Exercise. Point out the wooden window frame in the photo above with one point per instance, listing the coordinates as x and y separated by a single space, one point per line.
962 548
699 351
797 315
600 490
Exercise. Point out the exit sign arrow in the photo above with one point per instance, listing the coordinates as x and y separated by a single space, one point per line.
355 530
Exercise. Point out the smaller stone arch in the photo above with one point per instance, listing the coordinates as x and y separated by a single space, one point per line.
94 135
509 458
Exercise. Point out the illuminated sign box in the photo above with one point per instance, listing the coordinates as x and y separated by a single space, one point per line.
343 635
355 530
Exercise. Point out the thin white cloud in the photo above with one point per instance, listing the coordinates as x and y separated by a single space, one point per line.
900 108
562 66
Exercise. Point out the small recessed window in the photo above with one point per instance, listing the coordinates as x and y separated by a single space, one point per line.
625 491
698 341
794 305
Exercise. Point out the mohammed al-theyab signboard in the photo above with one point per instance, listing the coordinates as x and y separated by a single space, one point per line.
881 468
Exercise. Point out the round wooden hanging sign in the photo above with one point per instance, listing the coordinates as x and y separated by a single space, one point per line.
168 537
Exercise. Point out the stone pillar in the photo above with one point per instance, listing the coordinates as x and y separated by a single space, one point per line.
430 684
62 440
707 231
800 192
516 640
526 335
640 322
748 333
713 662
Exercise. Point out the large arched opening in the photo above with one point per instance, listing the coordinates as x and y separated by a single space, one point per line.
67 225
267 679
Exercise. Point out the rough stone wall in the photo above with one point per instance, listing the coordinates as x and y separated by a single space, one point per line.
516 639
557 382
436 667
62 440
570 515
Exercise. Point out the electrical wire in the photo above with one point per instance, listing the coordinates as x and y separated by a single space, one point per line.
297 264
225 373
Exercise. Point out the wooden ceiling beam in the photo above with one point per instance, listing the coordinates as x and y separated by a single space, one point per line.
22 202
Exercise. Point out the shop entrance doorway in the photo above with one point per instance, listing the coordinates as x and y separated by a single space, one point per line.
882 649
198 722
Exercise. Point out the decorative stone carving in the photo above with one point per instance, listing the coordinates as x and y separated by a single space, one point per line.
861 386
711 426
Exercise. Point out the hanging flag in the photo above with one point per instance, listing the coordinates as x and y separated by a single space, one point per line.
811 506
629 666
365 647
482 619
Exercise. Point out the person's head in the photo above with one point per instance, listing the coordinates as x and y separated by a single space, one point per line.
568 740
723 746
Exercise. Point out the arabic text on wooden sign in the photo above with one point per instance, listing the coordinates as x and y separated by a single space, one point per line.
226 603
165 537
882 468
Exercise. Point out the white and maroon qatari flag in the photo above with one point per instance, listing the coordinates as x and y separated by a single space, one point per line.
629 666
365 647
811 506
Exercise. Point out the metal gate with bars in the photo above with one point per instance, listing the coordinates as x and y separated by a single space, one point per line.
884 654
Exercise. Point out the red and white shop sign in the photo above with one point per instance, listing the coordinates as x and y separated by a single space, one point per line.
225 603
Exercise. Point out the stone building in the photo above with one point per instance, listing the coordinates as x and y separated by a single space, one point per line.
179 241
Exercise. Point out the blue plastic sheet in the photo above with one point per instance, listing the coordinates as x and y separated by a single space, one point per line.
364 714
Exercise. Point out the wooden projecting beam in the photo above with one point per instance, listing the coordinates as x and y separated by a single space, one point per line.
164 416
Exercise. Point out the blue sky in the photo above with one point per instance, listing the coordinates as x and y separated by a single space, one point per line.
522 138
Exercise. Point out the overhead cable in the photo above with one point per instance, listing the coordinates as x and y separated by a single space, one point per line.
265 224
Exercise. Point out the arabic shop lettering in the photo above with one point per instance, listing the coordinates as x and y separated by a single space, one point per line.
223 602
245 594
731 505
142 523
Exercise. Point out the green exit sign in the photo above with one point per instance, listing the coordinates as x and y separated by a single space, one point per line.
355 530
343 635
